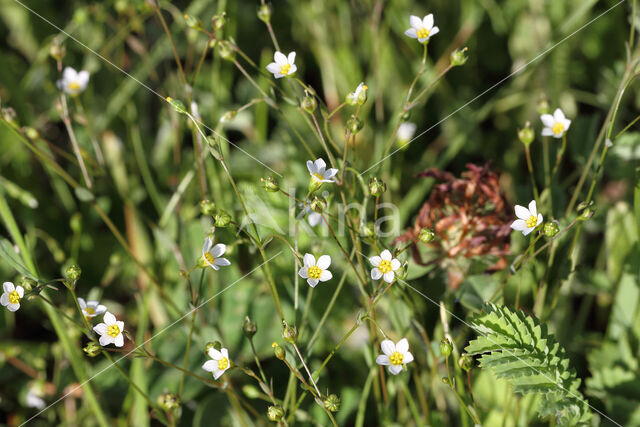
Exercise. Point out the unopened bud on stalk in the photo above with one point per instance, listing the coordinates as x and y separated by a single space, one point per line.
543 106
270 184
73 272
459 57
92 349
207 207
275 413
278 351
228 116
31 133
264 13
377 187
221 218
215 345
446 381
426 235
551 229
354 125
177 105
218 21
332 403
526 134
192 22
27 283
249 328
57 51
289 332
445 347
368 229
465 362
169 401
226 51
318 204
309 103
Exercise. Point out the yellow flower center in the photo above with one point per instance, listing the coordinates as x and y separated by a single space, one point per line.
113 330
384 266
396 358
532 221
209 257
557 128
73 86
314 272
284 69
90 310
14 297
318 176
423 33
223 363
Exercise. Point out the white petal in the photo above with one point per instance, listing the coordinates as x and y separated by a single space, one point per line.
105 340
207 245
217 373
20 291
279 58
101 309
314 218
4 299
82 303
383 360
309 260
395 264
313 282
375 274
533 209
8 287
522 212
215 354
304 273
311 167
547 120
408 357
330 173
69 75
395 369
539 219
388 347
434 31
402 346
210 365
558 115
411 32
83 79
415 22
547 132
225 352
375 260
324 262
221 262
120 325
388 277
386 255
558 136
13 307
293 69
273 68
527 231
218 250
427 22
291 58
278 75
119 341
519 225
109 318
320 166
101 328
325 275
567 123
215 267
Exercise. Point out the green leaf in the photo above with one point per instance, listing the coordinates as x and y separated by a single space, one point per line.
83 194
13 259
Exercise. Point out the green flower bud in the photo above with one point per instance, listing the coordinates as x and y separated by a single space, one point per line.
526 134
207 207
219 21
318 204
169 402
332 403
426 235
551 229
368 229
309 104
92 349
215 344
27 283
289 333
445 347
270 184
249 328
177 105
459 57
73 272
75 223
264 13
543 106
586 214
465 362
354 125
221 218
358 97
377 187
279 351
57 51
9 114
228 116
226 51
446 381
31 133
275 413
192 22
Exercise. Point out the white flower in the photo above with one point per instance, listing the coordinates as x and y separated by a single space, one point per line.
314 271
555 125
406 131
359 96
211 255
395 355
384 266
34 399
73 82
219 363
313 217
528 220
283 65
422 29
110 330
319 171
91 309
11 296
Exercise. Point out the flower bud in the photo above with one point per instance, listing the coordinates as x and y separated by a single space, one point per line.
168 401
192 22
9 114
551 229
218 21
31 133
289 333
526 134
275 413
27 283
270 184
377 187
465 362
446 381
309 103
426 235
278 351
92 349
249 328
57 51
225 50
332 403
177 105
318 204
221 218
586 214
543 106
207 207
228 116
215 345
73 272
354 125
368 229
264 13
445 347
459 57
358 97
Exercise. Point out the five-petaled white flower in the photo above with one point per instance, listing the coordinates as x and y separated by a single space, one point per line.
313 217
211 254
283 65
422 29
11 296
91 309
219 364
384 266
73 82
555 125
314 271
405 132
33 399
319 172
110 330
359 96
528 220
395 355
